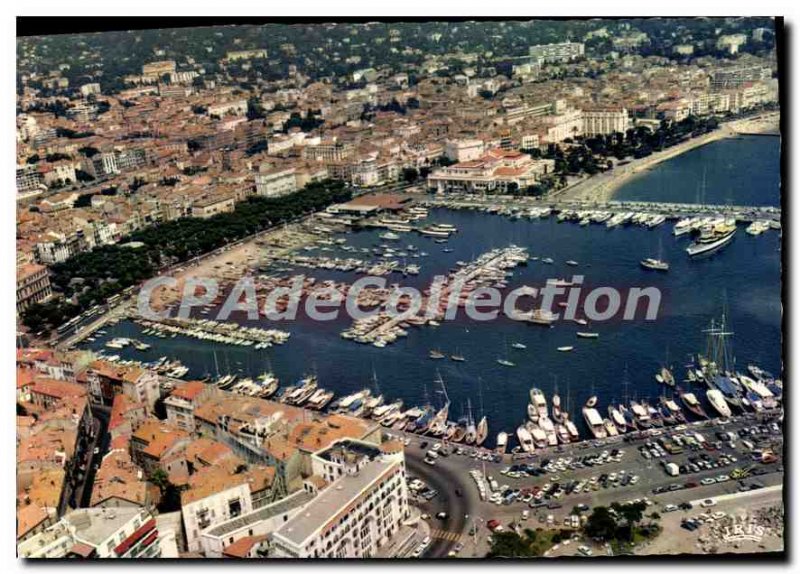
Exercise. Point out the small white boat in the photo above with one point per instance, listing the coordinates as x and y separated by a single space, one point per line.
565 349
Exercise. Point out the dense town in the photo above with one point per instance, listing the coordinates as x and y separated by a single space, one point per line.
172 154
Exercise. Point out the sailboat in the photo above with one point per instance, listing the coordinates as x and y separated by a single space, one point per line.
655 263
472 433
483 424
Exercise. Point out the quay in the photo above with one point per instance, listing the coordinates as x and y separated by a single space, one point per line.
742 213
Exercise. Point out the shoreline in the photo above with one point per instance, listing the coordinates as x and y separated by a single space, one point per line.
604 186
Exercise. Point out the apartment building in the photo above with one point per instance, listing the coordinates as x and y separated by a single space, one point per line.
183 400
553 53
29 179
329 151
212 205
737 76
33 285
463 150
125 532
276 182
355 515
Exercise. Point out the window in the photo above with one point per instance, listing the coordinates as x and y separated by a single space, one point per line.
234 507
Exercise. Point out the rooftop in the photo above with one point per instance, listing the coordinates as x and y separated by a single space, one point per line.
331 502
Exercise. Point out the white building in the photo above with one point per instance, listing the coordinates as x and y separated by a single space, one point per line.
463 150
604 121
276 182
493 172
731 42
357 514
559 127
201 512
563 52
124 532
88 89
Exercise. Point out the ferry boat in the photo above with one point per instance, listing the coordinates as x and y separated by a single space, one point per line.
655 264
717 400
712 240
502 443
595 422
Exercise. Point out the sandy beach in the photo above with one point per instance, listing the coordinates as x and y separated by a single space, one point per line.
603 186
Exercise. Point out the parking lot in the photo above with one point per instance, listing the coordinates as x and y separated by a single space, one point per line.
665 468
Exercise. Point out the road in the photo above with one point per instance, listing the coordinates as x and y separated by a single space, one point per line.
444 533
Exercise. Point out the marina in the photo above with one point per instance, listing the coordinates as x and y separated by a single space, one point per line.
610 248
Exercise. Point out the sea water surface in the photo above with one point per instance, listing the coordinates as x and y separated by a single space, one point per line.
744 280
744 170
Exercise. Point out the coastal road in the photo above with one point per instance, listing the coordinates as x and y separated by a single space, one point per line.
457 497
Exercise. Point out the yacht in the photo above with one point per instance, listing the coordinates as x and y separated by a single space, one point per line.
268 383
665 376
717 400
674 410
685 225
712 240
533 413
525 439
595 422
641 414
502 443
617 418
539 402
691 403
655 264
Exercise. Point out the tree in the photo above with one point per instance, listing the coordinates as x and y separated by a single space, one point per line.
601 524
512 545
410 174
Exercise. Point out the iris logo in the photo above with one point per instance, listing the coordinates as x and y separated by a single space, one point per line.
747 531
